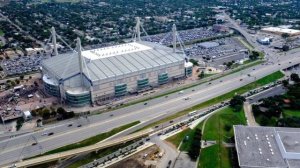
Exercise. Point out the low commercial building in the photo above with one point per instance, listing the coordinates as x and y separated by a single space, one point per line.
279 31
267 147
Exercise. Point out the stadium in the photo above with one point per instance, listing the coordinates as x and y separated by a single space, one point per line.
101 74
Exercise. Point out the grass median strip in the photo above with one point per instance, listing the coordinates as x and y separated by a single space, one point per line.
261 82
92 140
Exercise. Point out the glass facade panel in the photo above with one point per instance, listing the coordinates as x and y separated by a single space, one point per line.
142 83
163 78
121 89
188 71
78 100
52 90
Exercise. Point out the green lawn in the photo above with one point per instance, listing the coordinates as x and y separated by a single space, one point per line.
219 127
92 140
246 44
1 32
176 139
261 82
291 113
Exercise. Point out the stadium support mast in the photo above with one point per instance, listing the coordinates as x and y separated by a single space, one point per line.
80 58
54 41
174 32
138 28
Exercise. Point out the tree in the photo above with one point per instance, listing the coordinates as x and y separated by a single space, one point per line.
46 114
285 83
295 77
285 48
236 102
21 77
201 75
285 35
194 62
19 124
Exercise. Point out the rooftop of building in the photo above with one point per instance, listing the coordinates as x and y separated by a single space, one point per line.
267 146
109 62
281 30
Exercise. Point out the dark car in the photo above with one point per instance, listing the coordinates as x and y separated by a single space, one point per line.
145 103
170 162
50 133
33 144
79 125
70 125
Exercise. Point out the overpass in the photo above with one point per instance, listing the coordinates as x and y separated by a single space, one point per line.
73 152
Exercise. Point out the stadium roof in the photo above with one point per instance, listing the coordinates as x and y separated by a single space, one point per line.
267 146
108 62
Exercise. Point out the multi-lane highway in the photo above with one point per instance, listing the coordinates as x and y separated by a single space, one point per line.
21 147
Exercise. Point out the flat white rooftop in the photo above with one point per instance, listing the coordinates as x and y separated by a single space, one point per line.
111 51
281 30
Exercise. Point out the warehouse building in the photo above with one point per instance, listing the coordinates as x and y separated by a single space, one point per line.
266 147
84 77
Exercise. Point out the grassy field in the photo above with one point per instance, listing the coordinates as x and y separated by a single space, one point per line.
291 113
92 140
261 82
219 128
176 139
245 43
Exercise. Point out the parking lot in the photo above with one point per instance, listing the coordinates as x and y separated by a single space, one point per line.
22 64
185 36
228 49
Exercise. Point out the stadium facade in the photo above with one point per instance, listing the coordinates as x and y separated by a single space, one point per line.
83 77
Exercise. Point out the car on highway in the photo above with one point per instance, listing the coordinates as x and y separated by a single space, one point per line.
145 104
241 79
79 125
34 143
50 133
187 98
180 92
70 125
44 134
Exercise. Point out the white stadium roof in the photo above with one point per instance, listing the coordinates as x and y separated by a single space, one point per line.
114 61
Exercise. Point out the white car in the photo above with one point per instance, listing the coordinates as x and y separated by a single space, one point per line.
44 134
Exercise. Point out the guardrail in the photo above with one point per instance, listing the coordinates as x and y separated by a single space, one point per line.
87 149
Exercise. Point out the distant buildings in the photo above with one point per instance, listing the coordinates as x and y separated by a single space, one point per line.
279 31
264 40
266 147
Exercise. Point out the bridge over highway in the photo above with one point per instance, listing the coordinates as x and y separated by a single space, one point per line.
87 149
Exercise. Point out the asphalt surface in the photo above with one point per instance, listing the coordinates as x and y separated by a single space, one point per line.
21 147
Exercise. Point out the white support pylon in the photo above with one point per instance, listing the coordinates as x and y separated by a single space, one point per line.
138 28
80 59
54 41
174 32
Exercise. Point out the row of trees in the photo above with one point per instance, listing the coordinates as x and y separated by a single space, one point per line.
60 113
194 150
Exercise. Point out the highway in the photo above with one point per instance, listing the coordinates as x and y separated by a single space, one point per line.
13 149
21 147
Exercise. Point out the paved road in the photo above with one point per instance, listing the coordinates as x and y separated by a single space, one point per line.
13 149
20 147
169 152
